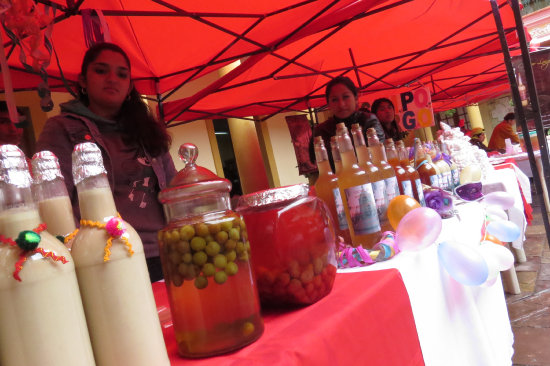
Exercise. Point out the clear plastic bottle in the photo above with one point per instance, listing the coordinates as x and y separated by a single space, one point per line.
427 172
444 168
326 188
455 177
50 192
428 149
41 316
114 282
418 191
403 177
378 155
357 194
336 158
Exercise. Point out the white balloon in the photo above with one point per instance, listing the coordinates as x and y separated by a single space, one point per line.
499 254
503 200
496 212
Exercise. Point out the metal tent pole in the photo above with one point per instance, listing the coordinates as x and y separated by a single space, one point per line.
519 108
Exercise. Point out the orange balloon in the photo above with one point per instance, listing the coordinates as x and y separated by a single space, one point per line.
398 207
493 239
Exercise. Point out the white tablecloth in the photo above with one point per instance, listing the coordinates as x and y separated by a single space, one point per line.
457 325
506 180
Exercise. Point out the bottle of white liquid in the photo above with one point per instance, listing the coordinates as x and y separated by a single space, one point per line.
49 190
114 282
41 316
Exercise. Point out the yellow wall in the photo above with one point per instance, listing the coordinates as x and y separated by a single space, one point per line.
248 155
196 133
283 154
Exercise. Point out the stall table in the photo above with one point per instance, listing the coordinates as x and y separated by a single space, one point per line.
366 319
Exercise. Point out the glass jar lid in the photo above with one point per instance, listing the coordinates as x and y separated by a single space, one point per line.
192 180
274 196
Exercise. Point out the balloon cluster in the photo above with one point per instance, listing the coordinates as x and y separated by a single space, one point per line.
27 22
480 264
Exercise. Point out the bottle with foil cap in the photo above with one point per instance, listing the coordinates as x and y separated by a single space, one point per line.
50 192
112 273
41 316
427 172
326 188
357 194
205 255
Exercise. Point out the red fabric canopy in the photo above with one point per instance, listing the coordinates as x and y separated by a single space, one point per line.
289 50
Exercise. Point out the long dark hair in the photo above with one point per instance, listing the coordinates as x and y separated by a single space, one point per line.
135 120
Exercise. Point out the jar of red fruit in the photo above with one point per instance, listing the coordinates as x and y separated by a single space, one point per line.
292 242
205 257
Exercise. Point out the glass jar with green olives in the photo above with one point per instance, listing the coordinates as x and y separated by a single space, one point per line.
205 257
293 244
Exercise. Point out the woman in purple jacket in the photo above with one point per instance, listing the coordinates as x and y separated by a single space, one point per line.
110 112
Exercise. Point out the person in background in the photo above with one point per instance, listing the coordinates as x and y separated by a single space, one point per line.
385 112
504 130
109 111
478 136
342 100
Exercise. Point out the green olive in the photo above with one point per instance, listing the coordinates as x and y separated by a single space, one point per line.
212 248
220 261
231 268
208 269
198 243
222 236
200 258
240 247
201 229
187 258
248 328
174 236
234 234
174 257
231 255
183 246
187 232
230 244
214 228
190 273
220 277
226 225
177 280
244 256
201 282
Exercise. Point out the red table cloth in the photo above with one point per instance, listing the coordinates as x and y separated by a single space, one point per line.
365 320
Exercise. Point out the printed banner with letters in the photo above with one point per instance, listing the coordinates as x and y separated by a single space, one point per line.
414 108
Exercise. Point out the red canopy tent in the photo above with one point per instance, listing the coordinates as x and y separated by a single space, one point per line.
289 50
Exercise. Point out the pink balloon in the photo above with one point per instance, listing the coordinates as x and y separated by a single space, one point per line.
503 200
418 229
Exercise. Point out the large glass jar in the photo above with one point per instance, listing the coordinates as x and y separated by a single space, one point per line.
292 241
205 258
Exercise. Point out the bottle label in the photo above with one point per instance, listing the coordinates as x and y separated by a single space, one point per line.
420 192
407 188
392 188
448 180
434 180
362 209
456 178
342 222
380 198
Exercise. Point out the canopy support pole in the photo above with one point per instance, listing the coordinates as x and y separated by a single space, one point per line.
519 108
159 101
355 68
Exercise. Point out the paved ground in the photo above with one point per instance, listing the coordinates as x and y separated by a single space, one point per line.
530 311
